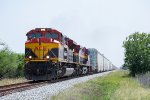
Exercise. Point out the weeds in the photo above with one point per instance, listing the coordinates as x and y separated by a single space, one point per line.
144 79
115 86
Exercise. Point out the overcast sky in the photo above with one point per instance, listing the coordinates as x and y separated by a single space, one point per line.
100 24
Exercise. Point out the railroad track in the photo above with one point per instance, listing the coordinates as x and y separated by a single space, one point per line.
13 88
8 89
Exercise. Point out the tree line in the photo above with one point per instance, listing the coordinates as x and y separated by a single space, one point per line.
11 63
137 53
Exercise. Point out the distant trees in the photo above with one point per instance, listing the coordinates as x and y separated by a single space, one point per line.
137 53
11 64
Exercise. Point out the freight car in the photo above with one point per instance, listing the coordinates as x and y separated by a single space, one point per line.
98 61
49 54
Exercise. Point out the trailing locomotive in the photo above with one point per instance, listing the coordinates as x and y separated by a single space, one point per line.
49 54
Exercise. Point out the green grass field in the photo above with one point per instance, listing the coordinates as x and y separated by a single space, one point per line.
115 86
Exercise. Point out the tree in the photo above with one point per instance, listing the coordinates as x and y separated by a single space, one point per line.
11 64
137 53
20 65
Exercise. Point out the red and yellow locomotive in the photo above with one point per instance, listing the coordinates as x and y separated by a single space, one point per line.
49 54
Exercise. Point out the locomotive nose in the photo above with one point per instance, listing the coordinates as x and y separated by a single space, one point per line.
41 49
32 53
35 49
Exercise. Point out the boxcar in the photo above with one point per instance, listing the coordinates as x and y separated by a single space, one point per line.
96 60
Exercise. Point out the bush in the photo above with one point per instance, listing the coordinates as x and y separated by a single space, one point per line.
20 62
11 64
137 53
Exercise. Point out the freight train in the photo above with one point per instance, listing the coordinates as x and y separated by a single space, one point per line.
49 55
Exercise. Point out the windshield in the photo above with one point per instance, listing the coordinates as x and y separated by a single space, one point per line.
34 35
51 35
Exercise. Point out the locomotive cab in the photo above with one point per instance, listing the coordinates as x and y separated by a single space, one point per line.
42 45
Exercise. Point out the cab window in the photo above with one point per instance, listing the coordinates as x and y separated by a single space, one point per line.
31 36
34 35
51 35
38 35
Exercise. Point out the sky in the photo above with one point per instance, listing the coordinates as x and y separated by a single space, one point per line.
100 24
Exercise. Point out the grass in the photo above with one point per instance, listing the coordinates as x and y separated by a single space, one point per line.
114 86
11 81
131 89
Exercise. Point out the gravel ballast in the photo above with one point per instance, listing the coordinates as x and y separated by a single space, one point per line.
45 92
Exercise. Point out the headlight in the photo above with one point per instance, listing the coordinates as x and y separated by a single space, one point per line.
30 57
47 57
